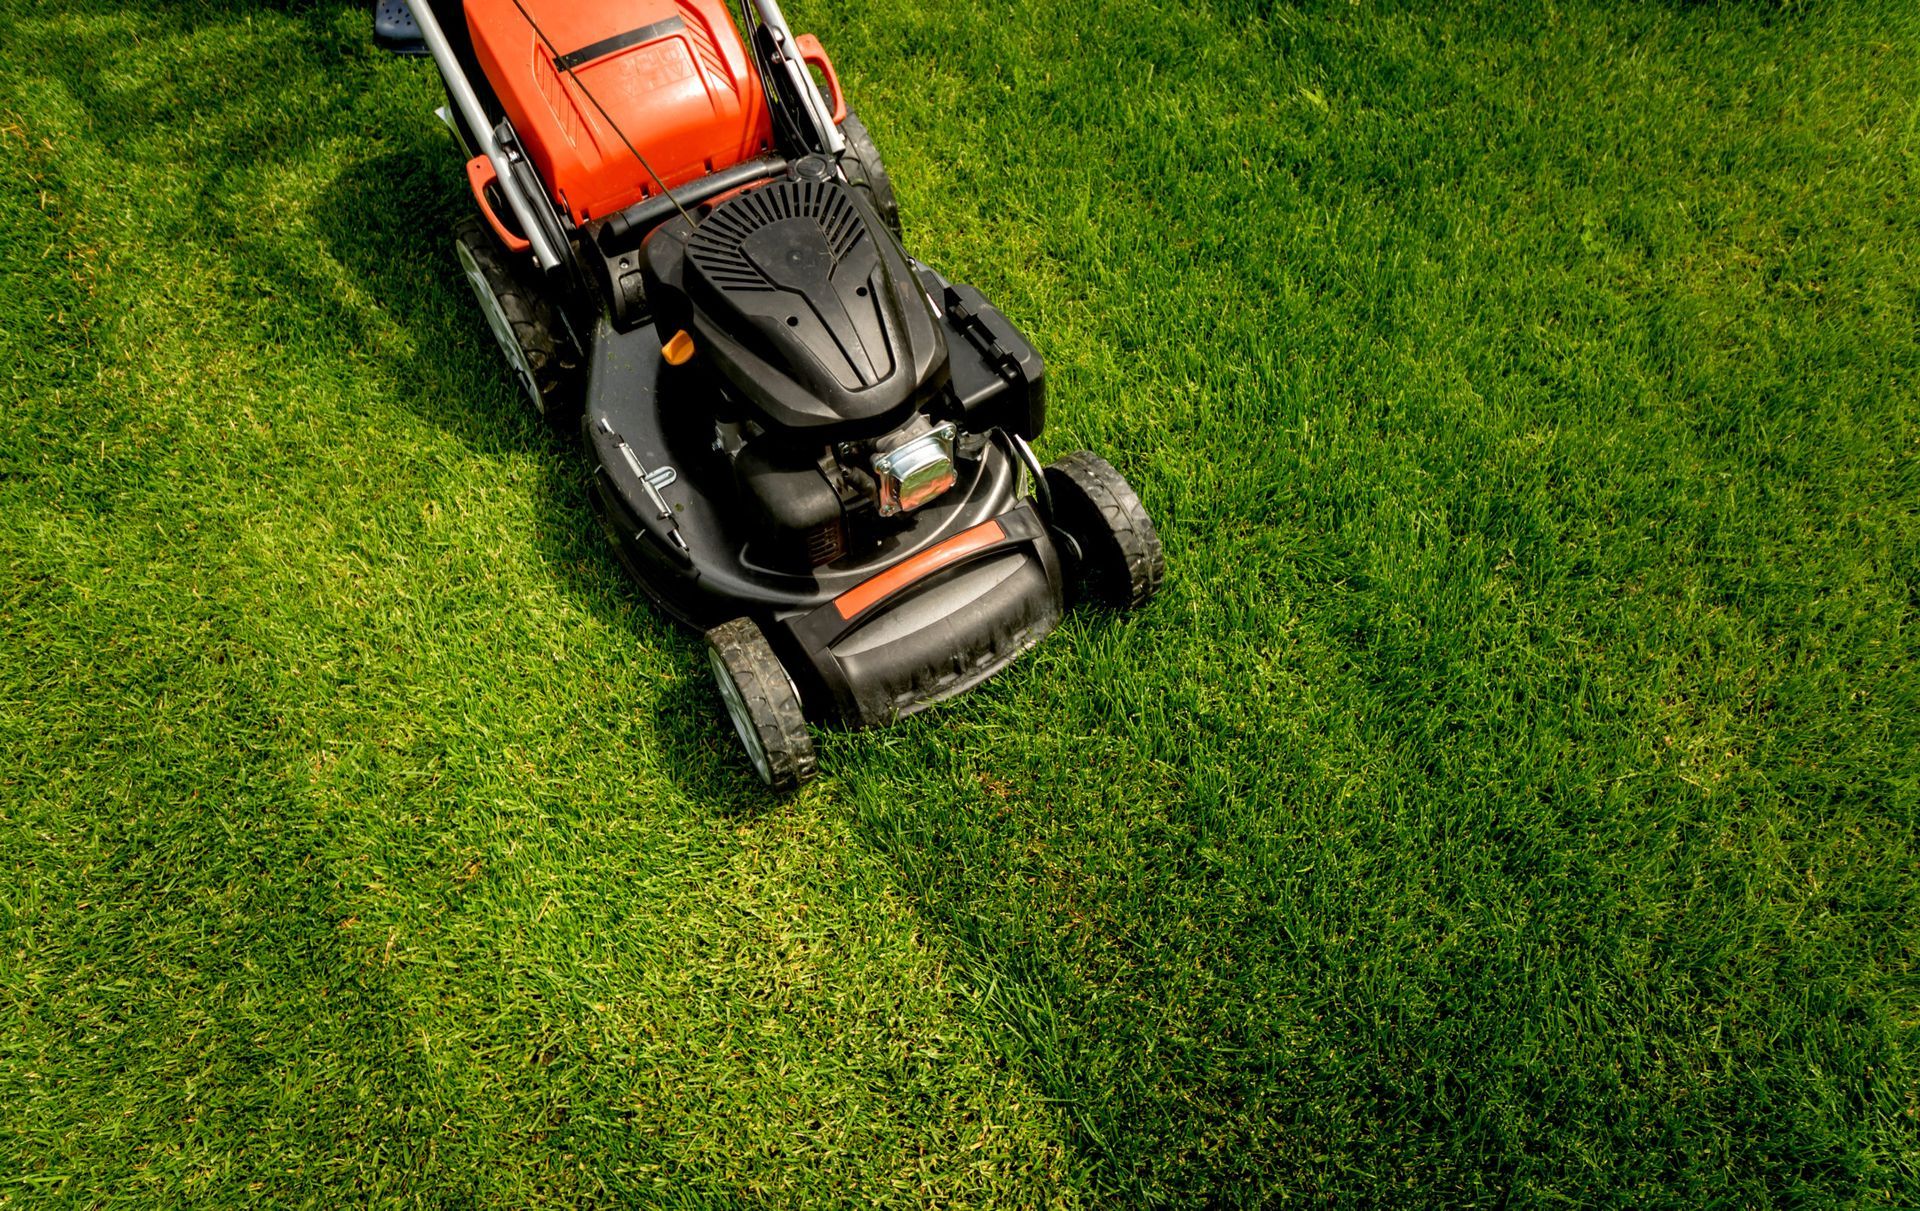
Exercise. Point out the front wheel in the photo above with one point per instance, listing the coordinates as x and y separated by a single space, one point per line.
761 701
1119 561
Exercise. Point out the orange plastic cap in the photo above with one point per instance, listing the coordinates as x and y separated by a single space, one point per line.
678 350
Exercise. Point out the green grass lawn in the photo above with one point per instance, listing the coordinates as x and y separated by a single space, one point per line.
1511 799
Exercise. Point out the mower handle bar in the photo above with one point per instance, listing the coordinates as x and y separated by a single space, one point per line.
476 118
796 81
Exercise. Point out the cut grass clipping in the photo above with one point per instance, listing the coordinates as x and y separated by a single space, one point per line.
1510 799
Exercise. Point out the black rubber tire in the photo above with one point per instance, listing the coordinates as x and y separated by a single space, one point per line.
537 329
866 173
1120 563
763 703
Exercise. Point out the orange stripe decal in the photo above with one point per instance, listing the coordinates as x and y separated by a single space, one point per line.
872 591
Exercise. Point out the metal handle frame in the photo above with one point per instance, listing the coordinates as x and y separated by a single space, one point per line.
481 127
781 60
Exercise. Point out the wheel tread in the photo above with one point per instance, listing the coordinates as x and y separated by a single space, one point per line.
866 173
1124 538
771 702
550 354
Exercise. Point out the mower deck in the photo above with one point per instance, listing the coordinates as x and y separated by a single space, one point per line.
868 640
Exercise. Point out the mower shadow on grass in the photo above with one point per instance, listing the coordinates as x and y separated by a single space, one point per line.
376 280
387 222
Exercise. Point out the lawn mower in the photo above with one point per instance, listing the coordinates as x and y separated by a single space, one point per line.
805 443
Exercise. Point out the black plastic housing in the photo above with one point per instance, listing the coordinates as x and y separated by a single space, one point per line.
788 492
612 245
940 635
998 379
707 555
805 303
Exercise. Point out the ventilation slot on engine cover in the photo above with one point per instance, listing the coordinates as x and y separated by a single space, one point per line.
715 246
826 542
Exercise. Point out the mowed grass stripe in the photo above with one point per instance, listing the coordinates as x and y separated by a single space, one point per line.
371 841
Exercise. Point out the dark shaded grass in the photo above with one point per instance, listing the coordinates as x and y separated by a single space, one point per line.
1514 796
1511 799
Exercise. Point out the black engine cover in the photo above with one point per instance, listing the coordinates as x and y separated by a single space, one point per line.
805 303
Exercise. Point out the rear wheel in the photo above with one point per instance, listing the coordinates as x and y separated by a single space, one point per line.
866 173
1119 562
762 703
536 346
